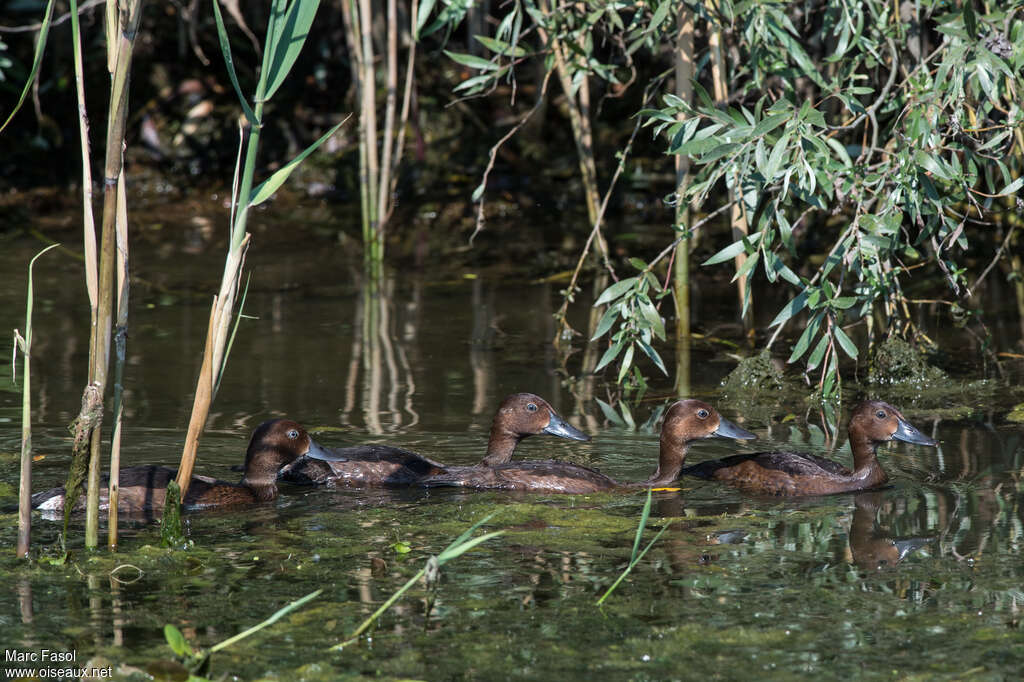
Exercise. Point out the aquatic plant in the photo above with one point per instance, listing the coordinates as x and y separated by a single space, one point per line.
197 662
455 549
286 34
637 554
24 344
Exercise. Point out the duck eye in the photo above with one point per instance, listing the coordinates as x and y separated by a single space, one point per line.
880 414
531 407
292 433
702 413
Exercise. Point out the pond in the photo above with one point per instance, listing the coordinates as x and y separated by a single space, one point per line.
922 579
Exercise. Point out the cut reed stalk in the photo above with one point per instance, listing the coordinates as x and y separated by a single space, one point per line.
128 23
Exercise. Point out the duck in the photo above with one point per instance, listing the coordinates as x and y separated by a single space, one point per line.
143 488
520 415
790 474
685 421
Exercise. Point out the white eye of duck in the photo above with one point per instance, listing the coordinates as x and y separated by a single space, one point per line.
292 433
702 413
531 407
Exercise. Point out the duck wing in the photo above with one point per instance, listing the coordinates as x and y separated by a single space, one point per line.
790 463
362 465
550 476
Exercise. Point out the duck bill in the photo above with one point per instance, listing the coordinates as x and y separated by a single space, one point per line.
726 429
909 434
317 451
561 428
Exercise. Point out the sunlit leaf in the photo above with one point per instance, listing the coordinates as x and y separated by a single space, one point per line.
296 22
847 344
616 290
274 182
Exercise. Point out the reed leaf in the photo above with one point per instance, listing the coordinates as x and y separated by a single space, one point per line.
267 188
229 62
44 30
288 44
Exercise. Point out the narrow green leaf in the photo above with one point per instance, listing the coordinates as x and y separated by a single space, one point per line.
814 359
790 309
297 20
770 123
274 182
607 320
653 355
849 347
464 547
970 20
423 13
609 355
775 160
627 362
736 248
1012 187
616 290
644 515
804 342
472 61
229 62
500 47
37 58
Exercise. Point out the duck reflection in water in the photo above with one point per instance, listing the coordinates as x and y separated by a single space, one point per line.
871 549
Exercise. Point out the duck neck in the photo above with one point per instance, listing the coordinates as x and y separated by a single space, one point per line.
865 461
500 447
258 479
263 490
670 462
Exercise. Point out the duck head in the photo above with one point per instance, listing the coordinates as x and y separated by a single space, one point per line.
879 422
275 444
686 421
521 415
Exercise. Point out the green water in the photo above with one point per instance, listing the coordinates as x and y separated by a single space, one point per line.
736 588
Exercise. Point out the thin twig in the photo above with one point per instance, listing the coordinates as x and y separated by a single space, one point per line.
56 22
493 154
995 259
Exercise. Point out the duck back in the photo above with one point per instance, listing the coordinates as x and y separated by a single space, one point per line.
363 465
550 476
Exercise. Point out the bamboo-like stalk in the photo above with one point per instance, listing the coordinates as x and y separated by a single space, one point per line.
368 138
120 339
681 261
112 169
740 229
25 481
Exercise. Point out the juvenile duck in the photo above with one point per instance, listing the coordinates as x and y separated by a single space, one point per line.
685 421
798 473
143 488
520 415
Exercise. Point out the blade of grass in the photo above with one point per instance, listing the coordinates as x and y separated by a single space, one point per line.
456 548
278 615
